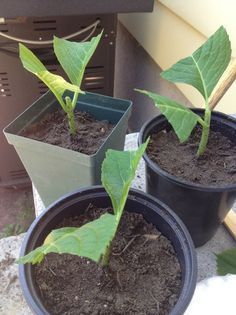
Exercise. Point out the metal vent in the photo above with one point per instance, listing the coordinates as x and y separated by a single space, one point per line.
94 78
44 22
44 25
18 174
3 28
4 85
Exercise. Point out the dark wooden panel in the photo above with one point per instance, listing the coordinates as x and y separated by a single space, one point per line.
14 8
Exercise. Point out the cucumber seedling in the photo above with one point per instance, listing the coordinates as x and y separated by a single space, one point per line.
73 57
93 239
201 70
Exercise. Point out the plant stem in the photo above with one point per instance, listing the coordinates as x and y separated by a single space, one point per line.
71 120
205 132
106 256
70 116
74 101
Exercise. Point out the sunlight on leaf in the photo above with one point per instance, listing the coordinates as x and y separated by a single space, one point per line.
74 56
118 171
90 240
205 66
54 82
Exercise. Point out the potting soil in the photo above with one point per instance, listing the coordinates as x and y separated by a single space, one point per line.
143 277
54 129
216 167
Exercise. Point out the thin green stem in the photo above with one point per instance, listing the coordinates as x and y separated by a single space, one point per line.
70 116
106 257
72 125
74 101
201 122
205 131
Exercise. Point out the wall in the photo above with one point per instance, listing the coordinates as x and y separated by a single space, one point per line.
134 68
176 28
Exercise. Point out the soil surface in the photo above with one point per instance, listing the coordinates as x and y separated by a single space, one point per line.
54 129
143 277
216 167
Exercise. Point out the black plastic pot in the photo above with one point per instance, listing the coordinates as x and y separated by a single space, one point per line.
201 208
153 211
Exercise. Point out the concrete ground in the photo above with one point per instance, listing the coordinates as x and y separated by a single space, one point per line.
16 210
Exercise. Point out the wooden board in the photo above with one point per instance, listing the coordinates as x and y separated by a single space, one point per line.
230 223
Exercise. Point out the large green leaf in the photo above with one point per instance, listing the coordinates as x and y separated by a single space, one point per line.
226 262
205 66
182 119
118 171
91 240
74 56
55 83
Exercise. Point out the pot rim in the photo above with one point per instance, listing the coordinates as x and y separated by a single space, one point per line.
51 101
178 227
179 181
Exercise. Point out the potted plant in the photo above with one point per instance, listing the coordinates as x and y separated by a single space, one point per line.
62 138
119 262
190 160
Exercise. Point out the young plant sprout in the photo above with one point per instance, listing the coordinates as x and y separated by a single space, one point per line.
73 57
201 70
93 239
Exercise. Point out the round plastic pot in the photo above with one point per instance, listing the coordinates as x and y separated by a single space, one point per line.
202 208
153 211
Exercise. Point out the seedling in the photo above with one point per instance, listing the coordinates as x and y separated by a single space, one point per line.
93 239
201 70
73 57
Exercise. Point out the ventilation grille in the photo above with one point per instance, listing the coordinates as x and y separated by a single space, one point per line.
44 25
19 174
94 78
4 85
3 28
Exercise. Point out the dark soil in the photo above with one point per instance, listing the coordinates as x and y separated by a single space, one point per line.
54 129
216 167
143 277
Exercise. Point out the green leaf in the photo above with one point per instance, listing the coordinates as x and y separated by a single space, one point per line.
90 241
205 66
93 239
74 56
181 118
226 262
118 171
55 83
34 257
